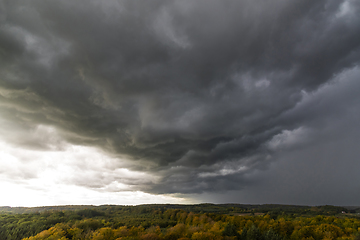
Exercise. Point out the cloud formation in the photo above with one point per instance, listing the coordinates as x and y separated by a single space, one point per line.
195 96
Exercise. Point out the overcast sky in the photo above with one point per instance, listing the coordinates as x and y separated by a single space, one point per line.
179 101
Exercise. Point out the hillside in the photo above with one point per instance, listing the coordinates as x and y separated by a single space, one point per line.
171 221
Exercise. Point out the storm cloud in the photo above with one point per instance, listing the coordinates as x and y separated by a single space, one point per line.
194 96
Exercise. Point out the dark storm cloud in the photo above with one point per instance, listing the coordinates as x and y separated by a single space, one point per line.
196 92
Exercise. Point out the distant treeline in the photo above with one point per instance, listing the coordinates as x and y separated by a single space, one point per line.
167 222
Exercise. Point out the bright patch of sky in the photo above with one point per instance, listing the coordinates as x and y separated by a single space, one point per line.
34 178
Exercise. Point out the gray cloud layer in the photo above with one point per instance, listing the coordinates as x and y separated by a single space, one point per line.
199 93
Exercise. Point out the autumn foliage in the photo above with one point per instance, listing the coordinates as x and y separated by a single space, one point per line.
171 222
211 227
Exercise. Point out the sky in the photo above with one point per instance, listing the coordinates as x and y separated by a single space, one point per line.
179 101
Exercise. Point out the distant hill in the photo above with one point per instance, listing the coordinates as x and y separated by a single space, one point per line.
201 208
21 210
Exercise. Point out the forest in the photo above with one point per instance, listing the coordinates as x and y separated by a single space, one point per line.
170 222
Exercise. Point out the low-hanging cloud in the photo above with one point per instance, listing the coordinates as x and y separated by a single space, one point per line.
199 93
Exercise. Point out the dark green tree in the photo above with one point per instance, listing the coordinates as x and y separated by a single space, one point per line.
230 230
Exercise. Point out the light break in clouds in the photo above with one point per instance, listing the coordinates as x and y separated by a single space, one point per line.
180 101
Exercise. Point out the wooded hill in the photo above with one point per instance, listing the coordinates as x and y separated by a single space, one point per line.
171 221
